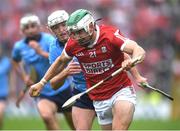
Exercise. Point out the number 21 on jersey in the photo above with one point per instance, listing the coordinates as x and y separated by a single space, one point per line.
92 54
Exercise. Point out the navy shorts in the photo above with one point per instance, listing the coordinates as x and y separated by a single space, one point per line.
84 101
59 99
3 98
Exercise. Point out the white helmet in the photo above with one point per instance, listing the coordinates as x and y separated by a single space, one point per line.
30 18
57 17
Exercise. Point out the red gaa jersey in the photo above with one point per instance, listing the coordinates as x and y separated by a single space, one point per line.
100 61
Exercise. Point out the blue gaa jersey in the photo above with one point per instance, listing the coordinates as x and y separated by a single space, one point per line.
5 67
22 51
56 49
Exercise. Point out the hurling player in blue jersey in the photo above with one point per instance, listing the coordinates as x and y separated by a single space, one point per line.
5 66
82 111
33 51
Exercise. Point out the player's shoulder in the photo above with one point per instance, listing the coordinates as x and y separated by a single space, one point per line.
108 31
71 42
19 43
71 46
54 43
47 36
108 28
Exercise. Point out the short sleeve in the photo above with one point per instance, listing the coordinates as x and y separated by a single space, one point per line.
67 50
119 40
51 40
65 53
16 53
53 52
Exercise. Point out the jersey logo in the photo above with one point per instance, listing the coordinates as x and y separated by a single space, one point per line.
103 49
80 54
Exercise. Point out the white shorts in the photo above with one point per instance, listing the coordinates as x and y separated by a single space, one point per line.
104 108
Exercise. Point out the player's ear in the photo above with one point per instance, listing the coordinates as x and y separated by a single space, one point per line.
47 27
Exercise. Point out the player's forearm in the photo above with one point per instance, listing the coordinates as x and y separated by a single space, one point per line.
43 53
138 52
57 81
54 69
134 50
134 72
21 73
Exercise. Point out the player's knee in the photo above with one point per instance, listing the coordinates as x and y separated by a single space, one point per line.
82 124
82 127
121 126
121 123
47 116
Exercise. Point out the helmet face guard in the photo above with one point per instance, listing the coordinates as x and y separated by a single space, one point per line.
81 36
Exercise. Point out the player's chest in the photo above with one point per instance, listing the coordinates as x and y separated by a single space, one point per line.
28 54
100 51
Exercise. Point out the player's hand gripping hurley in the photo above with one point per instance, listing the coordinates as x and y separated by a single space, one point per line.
73 99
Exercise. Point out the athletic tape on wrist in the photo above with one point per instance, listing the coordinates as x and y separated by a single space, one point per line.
43 82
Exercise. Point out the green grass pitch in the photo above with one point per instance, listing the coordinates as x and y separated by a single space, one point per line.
25 123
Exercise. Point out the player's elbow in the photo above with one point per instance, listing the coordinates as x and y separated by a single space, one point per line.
141 53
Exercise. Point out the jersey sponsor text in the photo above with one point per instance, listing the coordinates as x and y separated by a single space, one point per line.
98 67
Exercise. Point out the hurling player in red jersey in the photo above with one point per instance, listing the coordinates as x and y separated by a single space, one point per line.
100 51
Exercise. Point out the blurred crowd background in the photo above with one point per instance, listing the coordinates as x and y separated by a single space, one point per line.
154 24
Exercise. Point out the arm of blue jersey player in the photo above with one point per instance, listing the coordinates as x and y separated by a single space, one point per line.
59 64
71 69
55 50
20 97
33 44
21 72
18 66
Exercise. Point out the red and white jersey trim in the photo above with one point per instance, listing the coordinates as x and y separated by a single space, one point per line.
118 35
64 51
124 44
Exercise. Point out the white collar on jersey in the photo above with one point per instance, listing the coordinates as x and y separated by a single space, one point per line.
97 37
